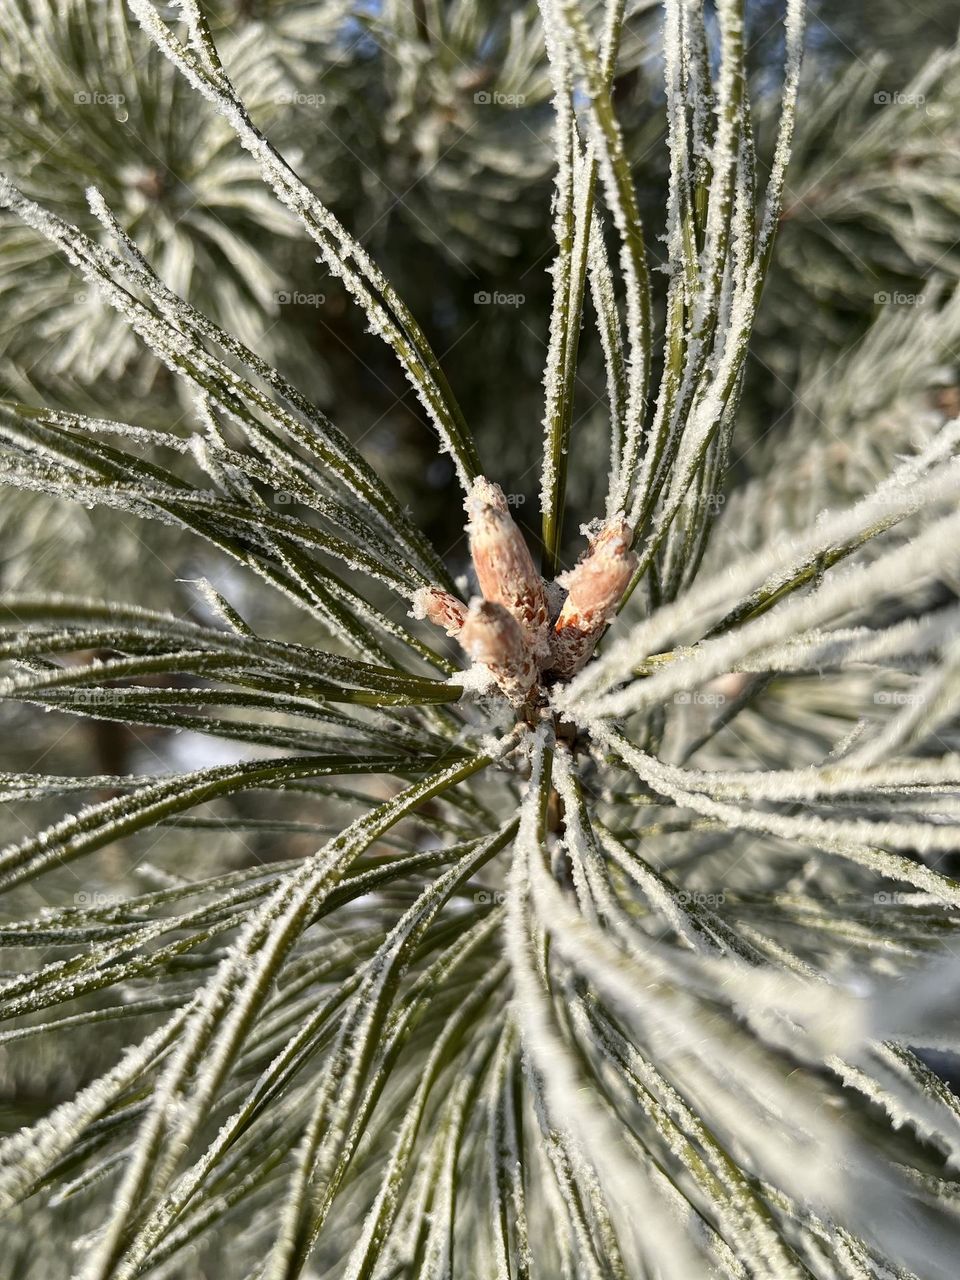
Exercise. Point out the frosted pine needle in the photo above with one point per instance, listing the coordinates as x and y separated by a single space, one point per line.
606 942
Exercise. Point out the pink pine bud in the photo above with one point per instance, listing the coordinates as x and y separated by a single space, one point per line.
594 587
493 637
505 568
441 608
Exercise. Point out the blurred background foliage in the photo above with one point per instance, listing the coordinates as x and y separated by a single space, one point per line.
426 127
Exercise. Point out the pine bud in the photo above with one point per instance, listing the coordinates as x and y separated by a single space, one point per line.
441 608
492 636
505 568
594 587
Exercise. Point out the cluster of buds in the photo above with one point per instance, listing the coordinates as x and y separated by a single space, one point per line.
510 628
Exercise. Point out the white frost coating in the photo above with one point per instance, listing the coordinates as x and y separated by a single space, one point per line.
929 701
579 842
720 1117
218 1023
254 522
569 196
677 1025
438 1254
569 1106
622 476
728 1087
841 778
854 839
103 426
603 295
476 679
620 196
723 159
333 1099
504 1158
794 28
888 1076
384 1207
27 1155
741 1213
722 286
778 565
904 642
173 336
849 590
663 897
